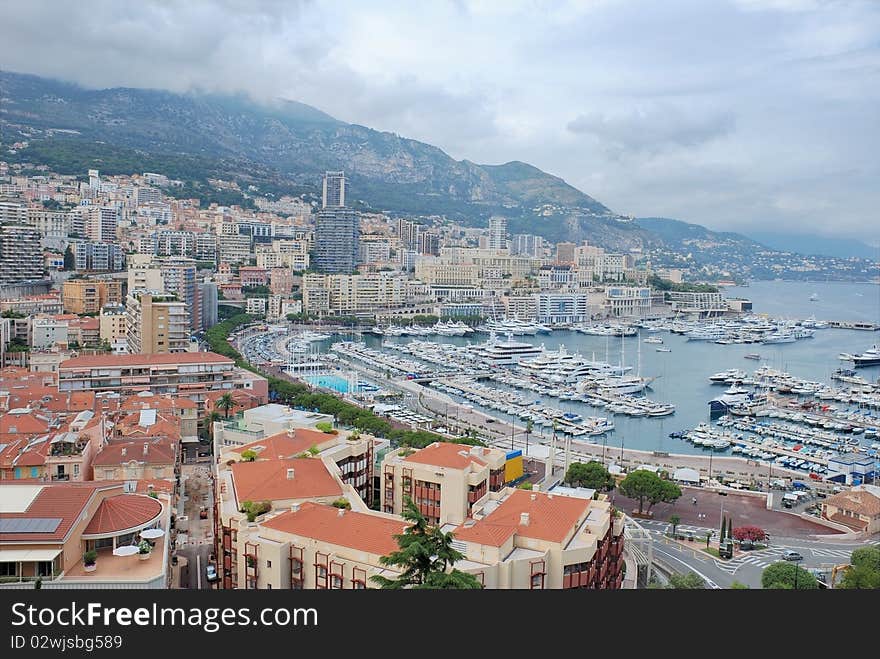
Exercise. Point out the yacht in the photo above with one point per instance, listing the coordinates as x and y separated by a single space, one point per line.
506 352
664 349
653 339
753 355
871 357
814 297
731 397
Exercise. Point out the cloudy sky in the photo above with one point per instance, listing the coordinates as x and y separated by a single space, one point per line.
736 114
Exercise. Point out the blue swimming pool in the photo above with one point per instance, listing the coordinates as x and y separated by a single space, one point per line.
330 382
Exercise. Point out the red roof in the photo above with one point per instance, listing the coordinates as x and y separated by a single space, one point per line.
159 452
64 501
29 423
551 518
109 361
123 512
361 531
155 402
286 444
267 480
446 454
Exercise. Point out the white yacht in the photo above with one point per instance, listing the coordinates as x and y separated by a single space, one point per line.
505 352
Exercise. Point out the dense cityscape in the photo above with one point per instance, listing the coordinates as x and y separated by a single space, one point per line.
223 392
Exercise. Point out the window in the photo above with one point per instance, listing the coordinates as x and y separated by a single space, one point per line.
268 563
76 470
335 581
537 581
357 584
8 569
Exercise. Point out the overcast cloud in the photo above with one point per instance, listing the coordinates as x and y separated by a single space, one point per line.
736 114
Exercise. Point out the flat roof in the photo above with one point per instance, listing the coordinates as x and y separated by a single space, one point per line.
110 361
17 498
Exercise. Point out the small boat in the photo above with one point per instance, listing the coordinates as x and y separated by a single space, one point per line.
753 355
814 297
664 349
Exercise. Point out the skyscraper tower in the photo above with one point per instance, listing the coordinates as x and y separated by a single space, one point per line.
334 190
337 229
497 232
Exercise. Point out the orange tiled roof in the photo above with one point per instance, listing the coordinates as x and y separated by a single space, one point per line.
159 452
266 480
146 485
361 531
64 501
110 361
286 444
446 454
860 502
551 518
122 512
31 422
156 402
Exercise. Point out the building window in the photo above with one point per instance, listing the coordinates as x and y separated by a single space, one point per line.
357 584
537 581
8 569
268 563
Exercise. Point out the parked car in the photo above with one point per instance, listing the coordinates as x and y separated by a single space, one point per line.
211 573
791 555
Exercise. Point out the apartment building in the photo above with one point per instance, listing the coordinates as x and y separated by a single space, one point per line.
136 460
91 256
48 332
113 328
280 280
560 308
88 296
179 276
704 303
234 248
565 253
337 235
156 323
292 254
443 479
101 224
144 273
189 374
50 224
21 256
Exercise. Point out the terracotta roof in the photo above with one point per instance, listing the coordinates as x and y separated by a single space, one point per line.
29 423
361 531
110 361
129 426
860 502
159 452
64 501
446 454
123 512
286 444
266 480
11 449
551 518
33 454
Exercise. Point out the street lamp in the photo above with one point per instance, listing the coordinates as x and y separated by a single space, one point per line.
797 569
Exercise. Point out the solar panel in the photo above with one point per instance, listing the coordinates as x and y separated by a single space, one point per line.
29 525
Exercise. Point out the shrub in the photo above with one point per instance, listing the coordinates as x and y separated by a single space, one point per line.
248 455
144 547
325 426
342 502
90 557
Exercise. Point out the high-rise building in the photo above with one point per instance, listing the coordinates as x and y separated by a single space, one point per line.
179 276
208 295
429 243
156 323
21 257
334 190
101 223
337 233
497 232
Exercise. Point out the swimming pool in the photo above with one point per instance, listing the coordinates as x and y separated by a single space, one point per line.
330 382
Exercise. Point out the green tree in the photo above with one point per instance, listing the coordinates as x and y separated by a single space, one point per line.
782 573
424 554
225 403
248 455
863 572
675 520
646 486
736 585
689 581
591 474
529 427
69 259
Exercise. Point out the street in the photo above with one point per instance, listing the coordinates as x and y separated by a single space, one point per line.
196 536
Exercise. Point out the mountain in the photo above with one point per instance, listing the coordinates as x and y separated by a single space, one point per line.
844 248
276 146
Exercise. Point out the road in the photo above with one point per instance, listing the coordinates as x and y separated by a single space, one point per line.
196 544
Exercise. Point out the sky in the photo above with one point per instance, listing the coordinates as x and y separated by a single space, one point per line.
737 114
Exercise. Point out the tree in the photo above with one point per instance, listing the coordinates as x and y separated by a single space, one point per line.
225 403
529 427
689 581
729 533
424 554
723 529
645 486
864 570
782 574
209 422
591 474
752 533
675 520
736 585
69 259
248 455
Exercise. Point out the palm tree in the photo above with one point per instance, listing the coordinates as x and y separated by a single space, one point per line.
212 417
225 402
529 427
